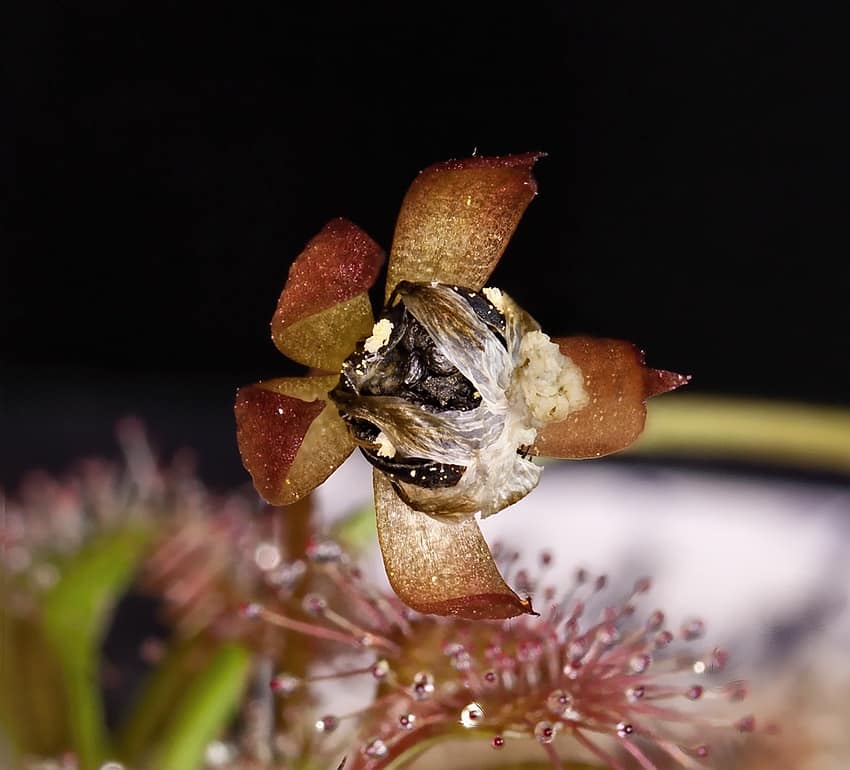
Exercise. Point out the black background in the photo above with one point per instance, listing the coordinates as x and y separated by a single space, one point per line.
168 163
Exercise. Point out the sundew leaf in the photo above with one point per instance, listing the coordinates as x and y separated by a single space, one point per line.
75 615
452 738
457 737
204 710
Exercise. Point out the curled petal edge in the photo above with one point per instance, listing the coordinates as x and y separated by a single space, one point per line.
289 437
324 307
618 383
440 567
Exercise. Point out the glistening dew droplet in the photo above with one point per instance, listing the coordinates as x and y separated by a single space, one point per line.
544 732
635 693
375 748
327 724
314 604
380 668
250 610
559 702
324 551
471 715
284 684
287 575
423 685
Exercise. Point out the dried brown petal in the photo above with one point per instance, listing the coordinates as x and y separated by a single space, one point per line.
618 384
457 218
289 437
324 307
437 566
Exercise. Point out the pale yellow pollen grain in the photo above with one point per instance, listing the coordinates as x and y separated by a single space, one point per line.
380 335
495 296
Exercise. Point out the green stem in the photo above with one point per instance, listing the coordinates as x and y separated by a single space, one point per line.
75 614
204 710
801 435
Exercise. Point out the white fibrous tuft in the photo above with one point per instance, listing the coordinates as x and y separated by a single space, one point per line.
551 384
380 335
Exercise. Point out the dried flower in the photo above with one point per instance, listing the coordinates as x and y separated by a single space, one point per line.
449 395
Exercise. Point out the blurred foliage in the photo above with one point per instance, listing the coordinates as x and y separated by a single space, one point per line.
49 679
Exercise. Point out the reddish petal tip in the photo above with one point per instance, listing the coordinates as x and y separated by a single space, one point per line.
290 438
338 263
487 606
324 307
618 383
270 428
440 567
659 381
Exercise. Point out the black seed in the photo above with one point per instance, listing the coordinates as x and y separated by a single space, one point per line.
411 366
363 431
453 392
437 362
417 471
484 309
